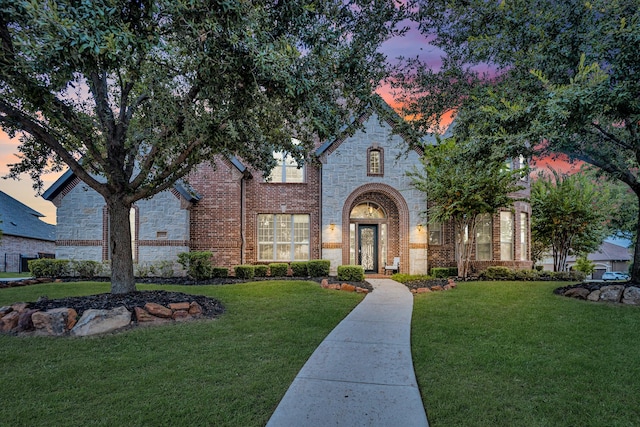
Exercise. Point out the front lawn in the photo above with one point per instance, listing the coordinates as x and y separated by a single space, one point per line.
231 371
515 354
4 275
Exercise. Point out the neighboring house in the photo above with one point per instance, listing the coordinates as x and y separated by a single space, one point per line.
24 235
352 203
609 257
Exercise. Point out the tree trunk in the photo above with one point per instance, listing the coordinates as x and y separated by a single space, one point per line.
122 278
635 267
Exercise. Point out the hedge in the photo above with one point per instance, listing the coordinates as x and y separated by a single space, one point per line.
219 272
300 268
261 270
197 264
351 273
278 269
319 267
48 267
245 271
444 272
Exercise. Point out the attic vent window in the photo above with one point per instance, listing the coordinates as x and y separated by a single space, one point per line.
161 235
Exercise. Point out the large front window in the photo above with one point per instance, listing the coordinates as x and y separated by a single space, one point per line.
523 236
506 236
283 237
287 168
483 237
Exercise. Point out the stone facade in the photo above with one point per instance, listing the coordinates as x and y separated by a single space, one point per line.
12 247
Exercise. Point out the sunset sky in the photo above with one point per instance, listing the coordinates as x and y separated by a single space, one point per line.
411 45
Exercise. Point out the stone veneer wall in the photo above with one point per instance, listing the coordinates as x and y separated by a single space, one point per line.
344 170
162 225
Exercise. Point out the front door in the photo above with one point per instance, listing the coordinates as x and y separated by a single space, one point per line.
368 247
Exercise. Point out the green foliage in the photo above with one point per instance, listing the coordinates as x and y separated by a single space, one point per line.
244 271
584 265
278 269
47 267
351 273
566 76
444 272
407 278
319 267
86 269
505 273
463 180
220 272
197 263
261 270
567 215
144 91
300 268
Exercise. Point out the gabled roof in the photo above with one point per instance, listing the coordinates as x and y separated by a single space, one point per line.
379 106
20 220
607 252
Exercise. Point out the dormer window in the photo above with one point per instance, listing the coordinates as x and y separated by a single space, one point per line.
375 161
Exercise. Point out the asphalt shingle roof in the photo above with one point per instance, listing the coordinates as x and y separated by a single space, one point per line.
21 221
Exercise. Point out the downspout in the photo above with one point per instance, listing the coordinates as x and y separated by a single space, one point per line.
320 210
243 240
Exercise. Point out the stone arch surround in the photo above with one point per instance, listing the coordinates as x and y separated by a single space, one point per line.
394 196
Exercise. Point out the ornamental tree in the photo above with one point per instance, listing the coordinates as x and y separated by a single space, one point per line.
564 79
567 215
130 95
461 182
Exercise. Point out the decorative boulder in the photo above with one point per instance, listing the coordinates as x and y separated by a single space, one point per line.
611 293
95 322
631 295
53 322
580 293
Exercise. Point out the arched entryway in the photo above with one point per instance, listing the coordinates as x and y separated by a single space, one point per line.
375 225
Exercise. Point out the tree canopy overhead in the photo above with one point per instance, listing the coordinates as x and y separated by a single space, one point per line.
564 80
138 92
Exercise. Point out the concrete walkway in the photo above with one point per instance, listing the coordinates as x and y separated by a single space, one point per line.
362 373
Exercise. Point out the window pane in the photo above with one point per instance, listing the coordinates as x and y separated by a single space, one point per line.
292 172
352 244
367 210
374 162
483 238
523 236
283 237
506 236
435 233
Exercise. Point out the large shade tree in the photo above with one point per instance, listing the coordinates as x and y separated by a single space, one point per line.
564 80
130 95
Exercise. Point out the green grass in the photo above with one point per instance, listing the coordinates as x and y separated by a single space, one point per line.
515 354
4 275
231 371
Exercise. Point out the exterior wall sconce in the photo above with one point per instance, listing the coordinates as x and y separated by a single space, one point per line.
332 226
419 228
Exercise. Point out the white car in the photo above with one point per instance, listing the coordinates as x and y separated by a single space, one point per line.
615 275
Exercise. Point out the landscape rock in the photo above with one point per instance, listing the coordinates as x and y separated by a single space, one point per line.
334 286
631 295
158 310
362 290
4 310
594 296
324 284
437 288
579 293
195 309
347 287
612 293
95 322
9 321
24 322
423 290
180 315
51 322
20 306
179 306
143 315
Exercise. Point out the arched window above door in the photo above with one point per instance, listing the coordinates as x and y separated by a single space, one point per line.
368 210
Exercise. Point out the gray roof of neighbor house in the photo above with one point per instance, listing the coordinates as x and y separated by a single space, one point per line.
21 221
607 252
